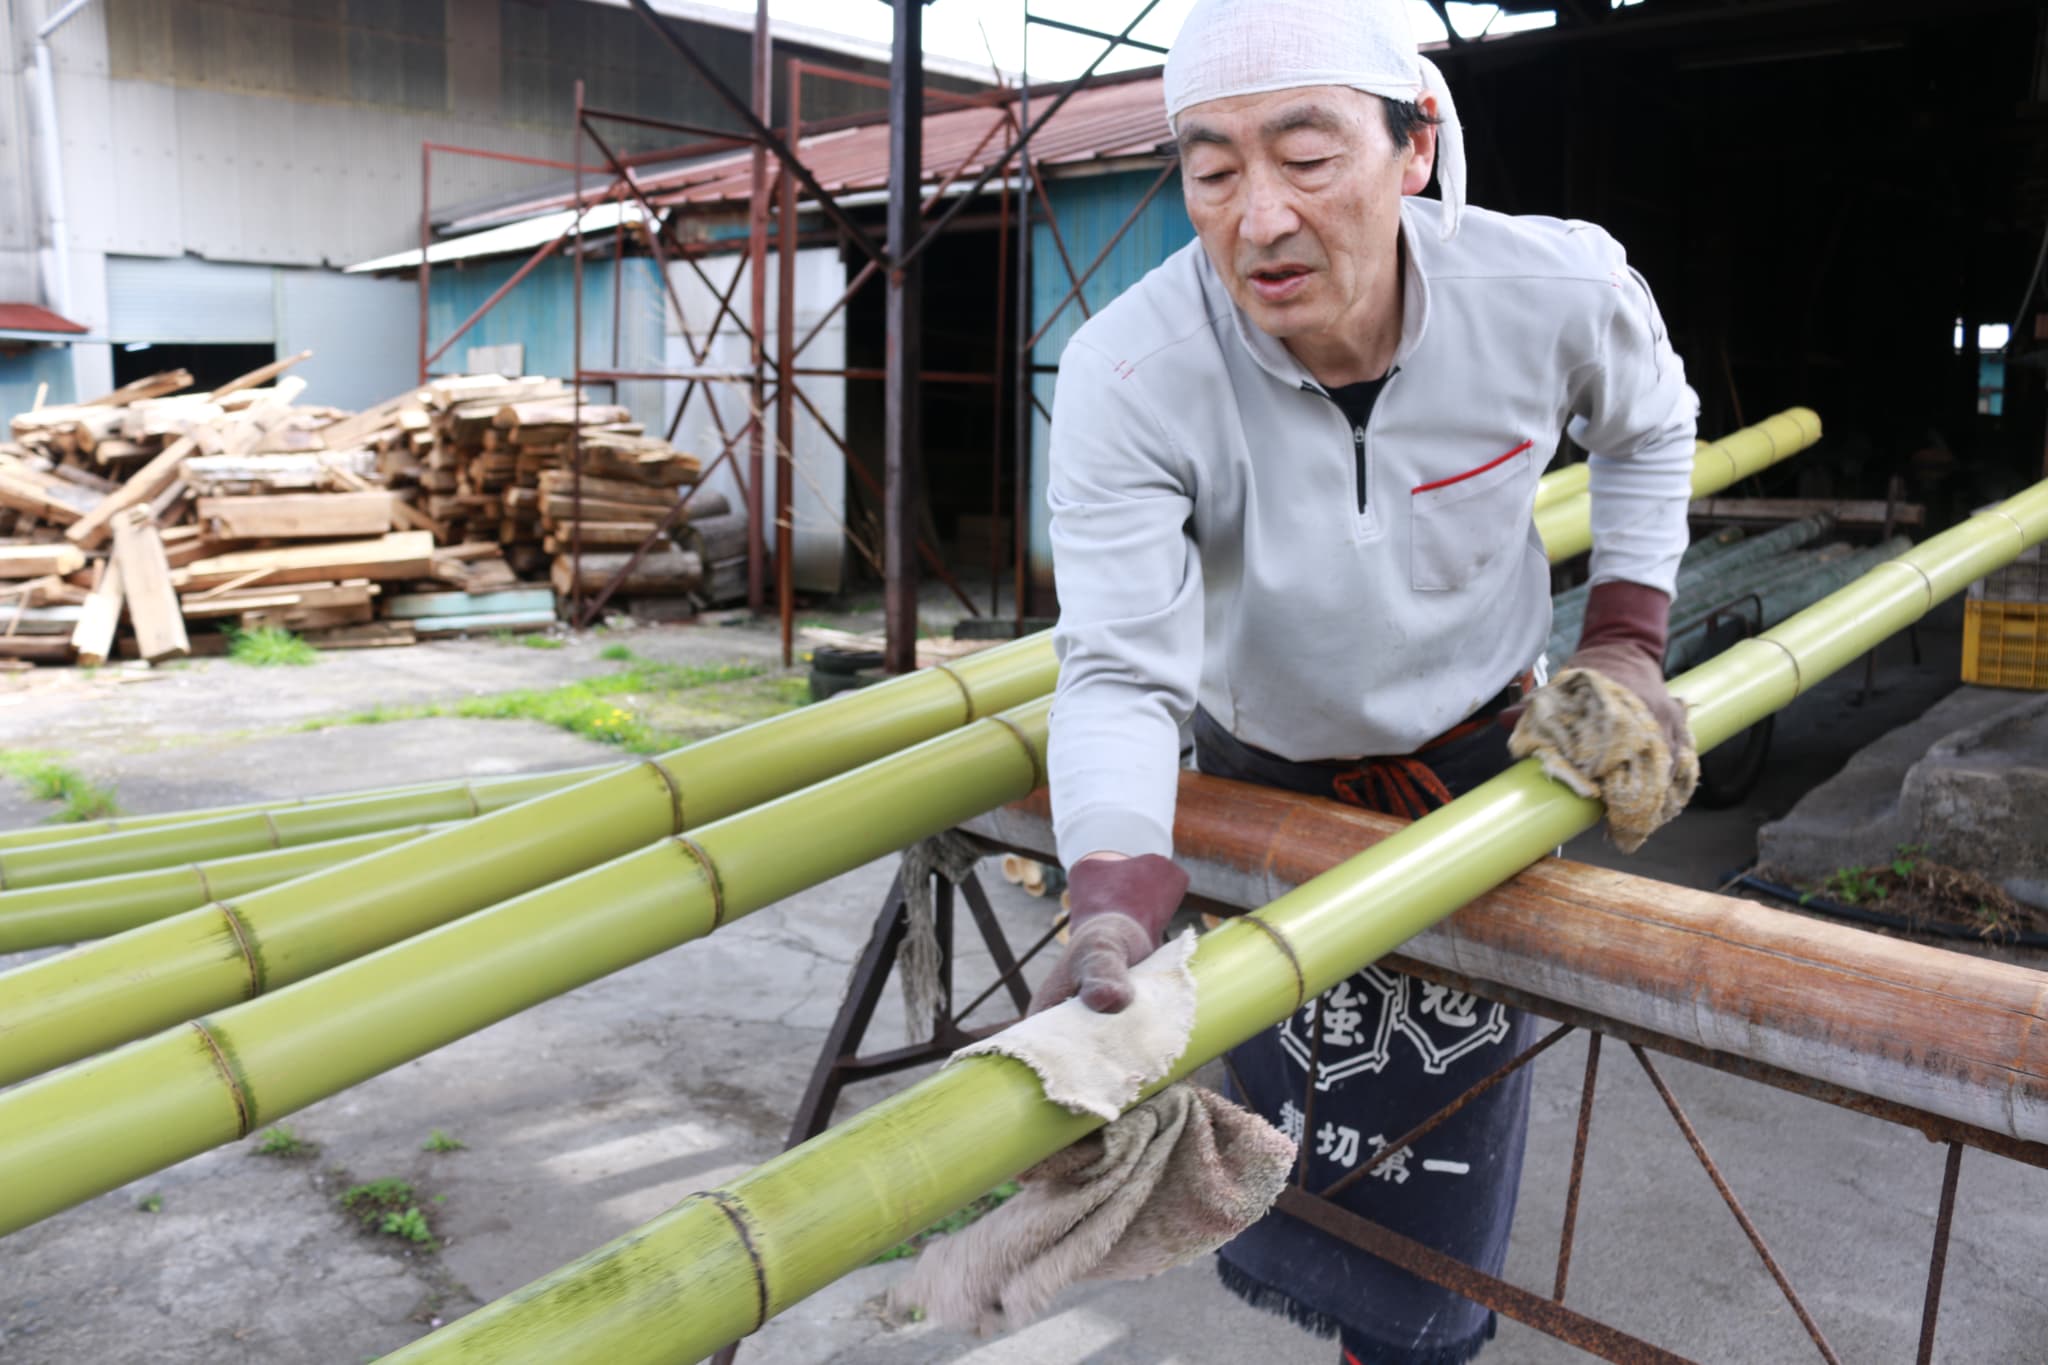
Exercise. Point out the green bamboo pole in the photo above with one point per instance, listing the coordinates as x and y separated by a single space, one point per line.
719 1264
255 831
91 1127
73 912
61 1008
36 836
1560 484
1566 524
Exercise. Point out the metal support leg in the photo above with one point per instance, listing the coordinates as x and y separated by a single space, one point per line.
1937 1264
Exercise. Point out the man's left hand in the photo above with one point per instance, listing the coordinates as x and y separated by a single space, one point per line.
1607 726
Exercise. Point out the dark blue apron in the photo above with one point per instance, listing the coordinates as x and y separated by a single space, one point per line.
1393 1051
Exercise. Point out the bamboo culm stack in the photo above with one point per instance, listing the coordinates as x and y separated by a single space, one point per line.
720 1264
62 1008
73 912
1704 561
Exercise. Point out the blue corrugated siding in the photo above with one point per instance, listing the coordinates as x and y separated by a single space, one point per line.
21 372
540 313
1090 211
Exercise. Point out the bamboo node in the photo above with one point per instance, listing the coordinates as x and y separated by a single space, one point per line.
675 795
205 886
246 941
276 836
966 692
228 1077
691 847
1798 679
1287 951
1038 778
736 1214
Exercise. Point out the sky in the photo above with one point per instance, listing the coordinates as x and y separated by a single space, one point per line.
973 30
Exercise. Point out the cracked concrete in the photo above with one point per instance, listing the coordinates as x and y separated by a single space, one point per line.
598 1110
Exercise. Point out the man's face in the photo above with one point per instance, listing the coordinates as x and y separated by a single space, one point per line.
1296 196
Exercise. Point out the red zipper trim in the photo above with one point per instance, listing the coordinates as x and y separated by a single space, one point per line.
1472 473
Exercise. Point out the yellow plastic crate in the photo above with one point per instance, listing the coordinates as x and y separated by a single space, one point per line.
2005 644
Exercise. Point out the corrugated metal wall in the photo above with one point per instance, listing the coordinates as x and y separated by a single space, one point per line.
540 313
1090 210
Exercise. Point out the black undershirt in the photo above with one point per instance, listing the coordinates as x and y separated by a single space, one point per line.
1356 401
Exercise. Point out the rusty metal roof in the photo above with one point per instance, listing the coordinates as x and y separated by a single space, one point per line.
27 317
1125 118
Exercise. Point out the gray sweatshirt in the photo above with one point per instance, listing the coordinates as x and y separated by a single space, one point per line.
1221 532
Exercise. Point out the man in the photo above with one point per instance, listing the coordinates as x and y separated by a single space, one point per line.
1292 473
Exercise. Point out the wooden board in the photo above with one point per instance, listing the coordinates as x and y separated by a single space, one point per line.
562 482
1864 512
198 606
100 618
35 561
428 627
396 555
374 635
42 649
94 527
298 516
667 574
422 605
146 581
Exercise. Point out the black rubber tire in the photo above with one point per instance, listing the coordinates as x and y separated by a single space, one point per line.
825 683
1729 772
833 659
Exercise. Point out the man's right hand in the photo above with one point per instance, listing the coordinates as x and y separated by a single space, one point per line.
1120 910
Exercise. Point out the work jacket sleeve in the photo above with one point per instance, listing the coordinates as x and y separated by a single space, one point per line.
1129 636
1638 420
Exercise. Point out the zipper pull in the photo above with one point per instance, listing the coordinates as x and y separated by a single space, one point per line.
1358 450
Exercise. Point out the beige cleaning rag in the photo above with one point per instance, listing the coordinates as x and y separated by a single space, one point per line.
1597 737
1162 1185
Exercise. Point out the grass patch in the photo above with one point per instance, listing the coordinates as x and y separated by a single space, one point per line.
608 708
151 1203
280 1141
270 647
533 640
391 1208
438 1141
615 653
49 779
951 1223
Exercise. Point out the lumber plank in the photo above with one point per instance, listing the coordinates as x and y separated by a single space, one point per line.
93 640
42 649
38 561
159 385
395 555
371 635
146 582
262 374
1852 512
428 627
143 485
298 516
667 573
419 605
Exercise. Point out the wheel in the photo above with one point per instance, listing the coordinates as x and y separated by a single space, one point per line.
834 659
1731 770
825 683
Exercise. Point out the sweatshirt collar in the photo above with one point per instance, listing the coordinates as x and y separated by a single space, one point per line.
1418 238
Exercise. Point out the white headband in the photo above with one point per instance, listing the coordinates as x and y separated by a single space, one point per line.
1229 48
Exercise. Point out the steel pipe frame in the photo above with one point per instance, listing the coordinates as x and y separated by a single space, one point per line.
718 1265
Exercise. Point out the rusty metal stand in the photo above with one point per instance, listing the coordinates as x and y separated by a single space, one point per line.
840 1061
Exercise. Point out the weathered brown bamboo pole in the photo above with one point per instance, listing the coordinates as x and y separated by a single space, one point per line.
62 1008
1959 1036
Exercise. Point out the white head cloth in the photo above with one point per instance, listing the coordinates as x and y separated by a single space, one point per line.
1250 47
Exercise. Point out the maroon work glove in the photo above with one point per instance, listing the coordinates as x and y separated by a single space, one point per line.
1120 911
1623 639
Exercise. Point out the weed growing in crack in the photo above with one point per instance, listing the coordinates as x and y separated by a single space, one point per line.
270 647
49 779
438 1141
281 1141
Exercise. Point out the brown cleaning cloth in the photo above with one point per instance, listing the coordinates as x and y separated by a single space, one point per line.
1599 739
1166 1183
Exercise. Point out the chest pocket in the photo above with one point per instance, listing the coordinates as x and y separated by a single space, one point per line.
1459 525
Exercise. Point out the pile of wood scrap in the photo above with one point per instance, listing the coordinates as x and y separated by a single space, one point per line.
177 512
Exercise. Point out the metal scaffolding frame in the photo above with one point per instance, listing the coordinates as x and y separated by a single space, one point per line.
782 188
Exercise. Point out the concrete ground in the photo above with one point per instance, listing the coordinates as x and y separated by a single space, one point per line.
596 1111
